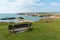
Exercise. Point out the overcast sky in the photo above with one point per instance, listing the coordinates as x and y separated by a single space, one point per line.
16 6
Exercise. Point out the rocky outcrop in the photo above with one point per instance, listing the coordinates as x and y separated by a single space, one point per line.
8 18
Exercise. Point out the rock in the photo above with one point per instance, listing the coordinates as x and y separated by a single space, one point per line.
20 18
8 18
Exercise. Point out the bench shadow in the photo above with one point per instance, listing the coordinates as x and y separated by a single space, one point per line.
30 29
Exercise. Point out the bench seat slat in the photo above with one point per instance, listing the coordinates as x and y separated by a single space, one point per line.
19 29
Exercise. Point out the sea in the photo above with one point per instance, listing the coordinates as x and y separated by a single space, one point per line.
32 18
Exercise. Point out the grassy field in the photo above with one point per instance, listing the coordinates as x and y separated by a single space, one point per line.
40 31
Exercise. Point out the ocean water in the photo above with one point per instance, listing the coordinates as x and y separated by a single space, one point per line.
16 15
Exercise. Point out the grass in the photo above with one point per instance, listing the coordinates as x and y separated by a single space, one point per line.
41 31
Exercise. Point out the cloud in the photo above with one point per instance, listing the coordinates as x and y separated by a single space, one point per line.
15 5
39 4
54 4
21 2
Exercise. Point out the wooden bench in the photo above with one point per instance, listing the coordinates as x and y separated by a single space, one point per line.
19 27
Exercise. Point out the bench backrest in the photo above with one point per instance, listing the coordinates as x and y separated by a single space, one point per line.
18 26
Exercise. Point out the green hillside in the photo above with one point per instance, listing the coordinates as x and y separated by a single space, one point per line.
40 31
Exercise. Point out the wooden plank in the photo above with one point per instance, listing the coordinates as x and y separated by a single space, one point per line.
19 29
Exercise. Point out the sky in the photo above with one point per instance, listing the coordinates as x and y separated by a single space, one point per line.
17 6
